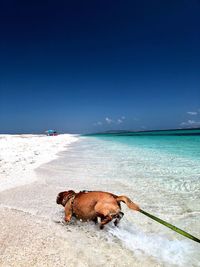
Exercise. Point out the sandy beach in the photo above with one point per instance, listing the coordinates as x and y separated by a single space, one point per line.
23 237
33 232
20 155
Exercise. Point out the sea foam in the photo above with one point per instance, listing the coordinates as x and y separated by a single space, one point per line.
170 252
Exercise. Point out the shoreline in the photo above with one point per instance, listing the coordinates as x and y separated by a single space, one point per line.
21 155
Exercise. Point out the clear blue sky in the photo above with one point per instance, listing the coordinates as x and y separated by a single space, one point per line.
88 66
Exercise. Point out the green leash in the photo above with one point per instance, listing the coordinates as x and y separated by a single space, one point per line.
176 229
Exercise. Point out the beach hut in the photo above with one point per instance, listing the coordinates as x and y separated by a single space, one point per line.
51 133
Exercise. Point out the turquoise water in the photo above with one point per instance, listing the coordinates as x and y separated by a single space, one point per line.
183 146
183 143
170 157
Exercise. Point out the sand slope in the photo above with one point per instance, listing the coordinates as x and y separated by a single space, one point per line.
21 154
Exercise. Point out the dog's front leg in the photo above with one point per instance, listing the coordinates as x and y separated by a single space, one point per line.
68 211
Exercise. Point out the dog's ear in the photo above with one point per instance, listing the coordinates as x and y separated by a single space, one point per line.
60 197
63 196
70 192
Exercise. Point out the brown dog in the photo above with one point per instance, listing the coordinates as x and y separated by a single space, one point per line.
89 205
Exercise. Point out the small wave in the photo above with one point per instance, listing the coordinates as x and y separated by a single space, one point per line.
173 252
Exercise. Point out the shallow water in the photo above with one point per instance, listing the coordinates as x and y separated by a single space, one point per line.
162 183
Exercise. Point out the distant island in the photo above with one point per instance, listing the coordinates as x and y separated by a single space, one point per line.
177 132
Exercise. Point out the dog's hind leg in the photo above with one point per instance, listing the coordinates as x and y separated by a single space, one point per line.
105 220
106 211
95 220
118 218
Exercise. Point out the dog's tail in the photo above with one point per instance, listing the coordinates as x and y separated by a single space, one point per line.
128 202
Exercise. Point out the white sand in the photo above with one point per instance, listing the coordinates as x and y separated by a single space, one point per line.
20 155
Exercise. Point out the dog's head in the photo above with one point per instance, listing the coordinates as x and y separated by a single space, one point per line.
63 197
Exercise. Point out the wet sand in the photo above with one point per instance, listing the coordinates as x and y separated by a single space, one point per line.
28 240
33 234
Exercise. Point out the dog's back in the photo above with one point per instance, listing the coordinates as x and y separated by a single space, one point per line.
88 205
